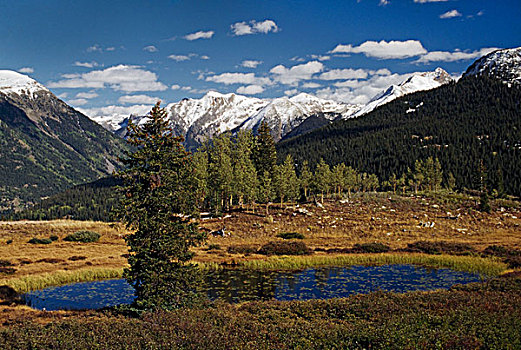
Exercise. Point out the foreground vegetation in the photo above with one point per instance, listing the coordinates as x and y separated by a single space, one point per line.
466 317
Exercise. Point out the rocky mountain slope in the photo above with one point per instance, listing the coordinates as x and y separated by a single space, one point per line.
46 146
503 64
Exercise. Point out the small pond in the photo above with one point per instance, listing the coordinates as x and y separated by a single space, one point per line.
242 285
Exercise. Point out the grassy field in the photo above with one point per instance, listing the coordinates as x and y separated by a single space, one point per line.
388 219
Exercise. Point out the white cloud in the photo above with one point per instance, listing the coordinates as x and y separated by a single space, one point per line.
311 85
26 70
342 74
179 58
384 2
150 48
426 1
450 14
138 99
291 92
86 64
94 48
175 87
112 48
204 57
238 78
78 102
86 95
250 89
63 95
385 50
293 75
199 35
116 111
321 57
360 91
119 78
254 27
446 56
250 63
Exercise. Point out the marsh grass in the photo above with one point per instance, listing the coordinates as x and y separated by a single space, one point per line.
34 282
474 264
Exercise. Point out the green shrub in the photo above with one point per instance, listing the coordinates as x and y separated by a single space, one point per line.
9 241
291 235
35 240
285 248
53 238
83 237
371 248
4 263
214 247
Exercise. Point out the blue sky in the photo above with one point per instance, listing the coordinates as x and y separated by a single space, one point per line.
119 56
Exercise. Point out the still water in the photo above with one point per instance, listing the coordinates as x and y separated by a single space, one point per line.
242 285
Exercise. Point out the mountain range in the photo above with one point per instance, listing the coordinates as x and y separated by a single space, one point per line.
199 119
47 146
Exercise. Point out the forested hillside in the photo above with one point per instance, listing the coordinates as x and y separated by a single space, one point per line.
462 124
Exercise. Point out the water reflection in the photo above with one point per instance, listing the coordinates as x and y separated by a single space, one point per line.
241 285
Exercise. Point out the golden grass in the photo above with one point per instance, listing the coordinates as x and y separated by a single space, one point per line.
57 278
483 266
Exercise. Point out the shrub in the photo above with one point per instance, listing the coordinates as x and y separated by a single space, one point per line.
214 247
77 257
513 262
4 263
291 235
285 248
50 260
9 241
35 240
501 251
371 248
440 248
7 270
241 249
53 238
83 237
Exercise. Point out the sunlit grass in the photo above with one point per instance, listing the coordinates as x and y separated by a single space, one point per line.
34 282
483 266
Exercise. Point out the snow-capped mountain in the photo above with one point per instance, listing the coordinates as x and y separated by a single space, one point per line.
503 64
198 119
15 83
417 82
47 146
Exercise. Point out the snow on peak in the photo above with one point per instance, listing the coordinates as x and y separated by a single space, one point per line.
416 82
503 64
14 82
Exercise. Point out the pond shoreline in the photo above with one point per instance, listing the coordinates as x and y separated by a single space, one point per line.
485 266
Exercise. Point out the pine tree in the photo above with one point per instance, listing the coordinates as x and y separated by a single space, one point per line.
306 176
393 181
339 178
266 190
264 153
221 172
286 182
158 199
323 178
245 180
351 182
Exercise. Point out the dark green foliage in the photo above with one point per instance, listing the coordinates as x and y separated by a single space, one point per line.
285 248
214 247
8 294
475 316
53 238
264 151
501 251
91 201
291 235
83 237
77 257
459 123
158 199
9 241
440 248
7 270
35 240
371 248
